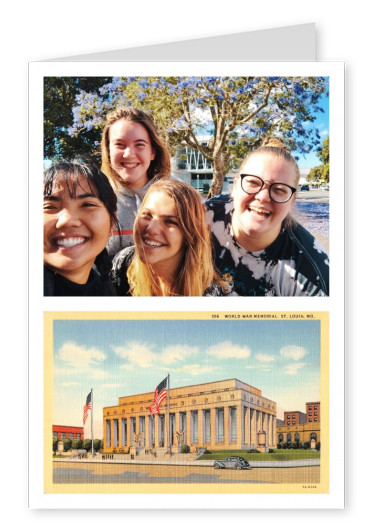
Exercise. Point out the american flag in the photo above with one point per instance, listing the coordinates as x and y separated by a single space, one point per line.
87 406
159 395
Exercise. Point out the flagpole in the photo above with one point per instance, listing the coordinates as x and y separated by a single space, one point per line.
92 415
168 415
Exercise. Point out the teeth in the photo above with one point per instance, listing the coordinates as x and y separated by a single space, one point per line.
260 211
153 244
130 165
70 242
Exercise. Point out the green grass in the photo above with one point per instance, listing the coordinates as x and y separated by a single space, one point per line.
278 455
59 456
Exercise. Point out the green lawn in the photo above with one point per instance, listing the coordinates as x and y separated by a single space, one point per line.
277 455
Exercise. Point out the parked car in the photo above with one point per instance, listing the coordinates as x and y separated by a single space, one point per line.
232 462
304 188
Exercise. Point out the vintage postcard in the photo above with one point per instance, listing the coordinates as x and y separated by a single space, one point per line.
203 403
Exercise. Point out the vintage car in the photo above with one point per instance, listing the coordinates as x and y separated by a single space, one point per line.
232 462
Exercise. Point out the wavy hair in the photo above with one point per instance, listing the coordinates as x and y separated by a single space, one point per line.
196 272
159 168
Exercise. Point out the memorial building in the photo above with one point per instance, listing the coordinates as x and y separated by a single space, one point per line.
227 414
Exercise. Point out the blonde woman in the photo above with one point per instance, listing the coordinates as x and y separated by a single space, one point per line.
133 157
259 248
172 255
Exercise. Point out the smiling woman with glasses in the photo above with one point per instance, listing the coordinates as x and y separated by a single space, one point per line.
259 248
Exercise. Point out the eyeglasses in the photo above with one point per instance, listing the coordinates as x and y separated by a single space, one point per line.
278 192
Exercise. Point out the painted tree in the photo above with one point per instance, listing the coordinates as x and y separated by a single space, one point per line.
237 112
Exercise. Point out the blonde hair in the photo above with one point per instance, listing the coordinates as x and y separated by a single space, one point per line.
196 272
159 168
276 148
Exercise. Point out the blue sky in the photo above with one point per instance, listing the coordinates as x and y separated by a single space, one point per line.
310 160
321 122
122 357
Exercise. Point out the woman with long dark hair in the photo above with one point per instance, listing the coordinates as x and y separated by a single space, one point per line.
79 214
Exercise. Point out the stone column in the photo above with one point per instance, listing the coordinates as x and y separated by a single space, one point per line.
227 426
112 429
147 445
129 442
253 426
247 428
188 419
156 430
200 427
239 426
213 440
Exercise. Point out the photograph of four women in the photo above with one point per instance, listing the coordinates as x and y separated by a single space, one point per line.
131 228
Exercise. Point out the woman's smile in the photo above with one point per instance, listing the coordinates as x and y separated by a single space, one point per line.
257 219
131 152
76 230
159 239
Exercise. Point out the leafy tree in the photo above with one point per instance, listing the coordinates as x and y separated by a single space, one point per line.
323 152
86 445
97 445
321 172
59 98
235 111
67 444
76 444
315 174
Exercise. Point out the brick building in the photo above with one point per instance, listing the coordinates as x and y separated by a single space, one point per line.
300 427
67 432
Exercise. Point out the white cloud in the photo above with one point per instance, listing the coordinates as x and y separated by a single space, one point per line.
177 353
265 368
293 352
194 369
227 350
140 354
145 355
266 358
293 368
75 359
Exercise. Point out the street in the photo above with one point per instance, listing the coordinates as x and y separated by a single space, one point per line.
94 473
311 209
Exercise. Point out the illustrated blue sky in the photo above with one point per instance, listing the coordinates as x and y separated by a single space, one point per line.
122 357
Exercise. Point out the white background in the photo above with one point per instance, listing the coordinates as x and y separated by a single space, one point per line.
44 29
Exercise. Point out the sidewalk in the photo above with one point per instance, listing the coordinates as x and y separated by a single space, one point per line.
181 460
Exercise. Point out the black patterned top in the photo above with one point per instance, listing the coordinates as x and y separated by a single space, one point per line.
295 264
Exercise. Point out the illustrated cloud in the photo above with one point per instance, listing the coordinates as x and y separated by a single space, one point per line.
227 350
144 355
264 357
293 352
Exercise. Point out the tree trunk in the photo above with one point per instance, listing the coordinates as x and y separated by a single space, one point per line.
220 167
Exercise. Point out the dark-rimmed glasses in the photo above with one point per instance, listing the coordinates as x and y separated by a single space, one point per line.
278 192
